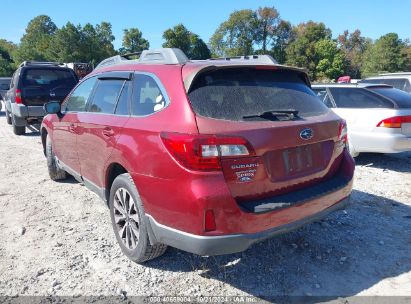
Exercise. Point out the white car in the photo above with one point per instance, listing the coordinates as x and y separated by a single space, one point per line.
378 116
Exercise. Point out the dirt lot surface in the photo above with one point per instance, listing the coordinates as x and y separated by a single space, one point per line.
56 239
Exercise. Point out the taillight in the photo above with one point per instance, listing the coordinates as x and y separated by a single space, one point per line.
204 152
18 96
209 221
394 122
342 131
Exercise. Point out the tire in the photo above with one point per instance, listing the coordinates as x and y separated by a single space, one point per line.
55 172
128 220
18 130
8 117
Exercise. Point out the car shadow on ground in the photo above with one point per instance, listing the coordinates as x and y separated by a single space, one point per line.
399 162
343 255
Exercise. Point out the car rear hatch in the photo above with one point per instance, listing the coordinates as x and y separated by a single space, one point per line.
293 141
41 85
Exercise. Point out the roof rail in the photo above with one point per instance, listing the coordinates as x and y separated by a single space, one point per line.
161 56
31 62
265 59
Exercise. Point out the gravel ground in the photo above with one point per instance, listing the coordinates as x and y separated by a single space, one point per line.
56 239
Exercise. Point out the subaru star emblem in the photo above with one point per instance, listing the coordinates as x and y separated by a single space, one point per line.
306 134
52 94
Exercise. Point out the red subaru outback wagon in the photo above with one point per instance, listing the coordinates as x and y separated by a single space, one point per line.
206 156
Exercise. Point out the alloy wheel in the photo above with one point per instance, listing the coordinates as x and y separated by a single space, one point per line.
126 218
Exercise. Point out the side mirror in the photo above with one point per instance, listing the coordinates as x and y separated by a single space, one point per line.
52 107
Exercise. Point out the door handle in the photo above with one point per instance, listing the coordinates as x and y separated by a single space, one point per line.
108 132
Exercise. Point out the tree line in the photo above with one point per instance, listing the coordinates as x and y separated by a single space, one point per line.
262 31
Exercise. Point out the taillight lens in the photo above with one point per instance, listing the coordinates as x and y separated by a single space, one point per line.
394 122
204 152
342 131
18 97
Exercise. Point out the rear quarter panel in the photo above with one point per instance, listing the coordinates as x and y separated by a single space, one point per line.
141 152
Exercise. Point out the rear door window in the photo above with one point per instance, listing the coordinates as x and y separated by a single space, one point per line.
148 96
401 98
105 97
358 98
77 101
48 77
122 104
235 93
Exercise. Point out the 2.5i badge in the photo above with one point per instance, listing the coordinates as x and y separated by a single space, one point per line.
245 179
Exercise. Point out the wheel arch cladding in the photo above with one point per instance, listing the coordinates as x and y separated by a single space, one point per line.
113 170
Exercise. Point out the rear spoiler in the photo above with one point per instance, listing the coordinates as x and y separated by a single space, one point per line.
189 80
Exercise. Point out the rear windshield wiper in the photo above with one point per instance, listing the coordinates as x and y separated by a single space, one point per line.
289 114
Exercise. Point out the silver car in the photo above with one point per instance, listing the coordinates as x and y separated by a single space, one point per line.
378 116
4 87
401 81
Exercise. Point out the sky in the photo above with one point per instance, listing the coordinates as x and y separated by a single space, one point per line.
373 17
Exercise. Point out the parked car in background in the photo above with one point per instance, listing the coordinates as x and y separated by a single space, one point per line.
344 79
4 86
81 69
34 84
400 81
378 116
206 156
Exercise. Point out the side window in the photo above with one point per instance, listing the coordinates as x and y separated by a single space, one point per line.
358 98
4 84
148 97
14 79
105 96
122 104
398 83
77 101
324 96
376 81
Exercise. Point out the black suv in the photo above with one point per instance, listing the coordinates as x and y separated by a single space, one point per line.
34 84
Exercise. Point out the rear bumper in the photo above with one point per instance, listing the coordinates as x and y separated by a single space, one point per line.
178 220
226 244
24 111
381 142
